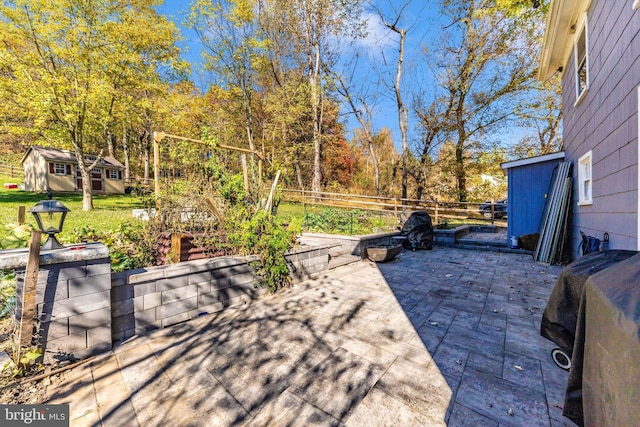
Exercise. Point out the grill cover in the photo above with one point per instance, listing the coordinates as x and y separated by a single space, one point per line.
561 313
604 381
418 230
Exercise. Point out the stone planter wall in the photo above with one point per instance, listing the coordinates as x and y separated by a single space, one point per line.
82 308
156 297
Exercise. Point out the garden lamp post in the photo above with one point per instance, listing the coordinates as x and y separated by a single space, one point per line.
50 216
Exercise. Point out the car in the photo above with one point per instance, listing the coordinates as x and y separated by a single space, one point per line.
499 209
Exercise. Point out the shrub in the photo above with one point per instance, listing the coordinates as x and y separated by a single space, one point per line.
341 221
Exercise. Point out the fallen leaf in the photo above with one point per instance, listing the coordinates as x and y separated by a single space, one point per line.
518 367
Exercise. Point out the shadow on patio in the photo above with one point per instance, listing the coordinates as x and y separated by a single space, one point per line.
434 337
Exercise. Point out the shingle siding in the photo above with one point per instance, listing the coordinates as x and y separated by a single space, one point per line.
606 122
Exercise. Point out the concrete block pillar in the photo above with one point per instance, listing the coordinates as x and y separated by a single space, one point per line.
73 299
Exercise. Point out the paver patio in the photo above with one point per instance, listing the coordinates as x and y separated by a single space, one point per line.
442 337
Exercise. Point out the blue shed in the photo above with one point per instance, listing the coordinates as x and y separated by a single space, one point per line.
528 184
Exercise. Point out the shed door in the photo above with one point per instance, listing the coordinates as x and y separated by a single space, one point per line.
97 182
78 179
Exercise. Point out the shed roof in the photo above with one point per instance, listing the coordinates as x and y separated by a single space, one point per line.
532 160
67 156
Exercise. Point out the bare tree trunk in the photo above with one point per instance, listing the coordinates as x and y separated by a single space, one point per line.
296 166
364 118
110 145
315 108
85 172
125 149
146 152
402 114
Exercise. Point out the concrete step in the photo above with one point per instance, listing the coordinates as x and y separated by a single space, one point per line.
490 243
343 259
337 251
481 246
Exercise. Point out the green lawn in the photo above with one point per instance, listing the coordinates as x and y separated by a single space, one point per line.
109 211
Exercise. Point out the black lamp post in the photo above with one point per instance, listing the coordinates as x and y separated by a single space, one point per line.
50 216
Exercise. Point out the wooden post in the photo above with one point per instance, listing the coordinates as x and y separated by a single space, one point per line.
176 247
273 189
20 215
437 218
28 306
157 137
493 212
245 171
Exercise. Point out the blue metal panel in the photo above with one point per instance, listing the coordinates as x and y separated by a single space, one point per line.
528 188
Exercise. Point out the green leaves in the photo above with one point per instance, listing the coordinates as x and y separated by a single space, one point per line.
17 236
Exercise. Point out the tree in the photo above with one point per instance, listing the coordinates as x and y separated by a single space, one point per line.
542 112
68 62
321 21
234 47
487 67
403 112
435 126
359 105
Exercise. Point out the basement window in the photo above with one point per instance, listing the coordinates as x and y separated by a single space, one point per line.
585 181
581 55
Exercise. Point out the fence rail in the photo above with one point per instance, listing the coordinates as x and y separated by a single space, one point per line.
11 171
439 210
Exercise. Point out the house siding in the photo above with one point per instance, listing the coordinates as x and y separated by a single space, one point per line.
61 182
113 186
606 122
34 178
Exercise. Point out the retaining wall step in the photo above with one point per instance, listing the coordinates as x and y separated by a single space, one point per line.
493 243
343 260
493 248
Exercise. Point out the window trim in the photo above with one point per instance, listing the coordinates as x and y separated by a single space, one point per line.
582 27
585 163
56 166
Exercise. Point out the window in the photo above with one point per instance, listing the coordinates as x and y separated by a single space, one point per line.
581 53
113 174
585 182
59 169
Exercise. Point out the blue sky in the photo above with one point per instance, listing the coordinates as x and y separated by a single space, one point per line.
377 59
379 53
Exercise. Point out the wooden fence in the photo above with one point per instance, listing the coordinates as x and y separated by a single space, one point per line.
439 210
11 171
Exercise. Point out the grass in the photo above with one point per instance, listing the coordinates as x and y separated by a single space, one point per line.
109 211
378 221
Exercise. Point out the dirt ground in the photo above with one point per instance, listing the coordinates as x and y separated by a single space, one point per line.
23 389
